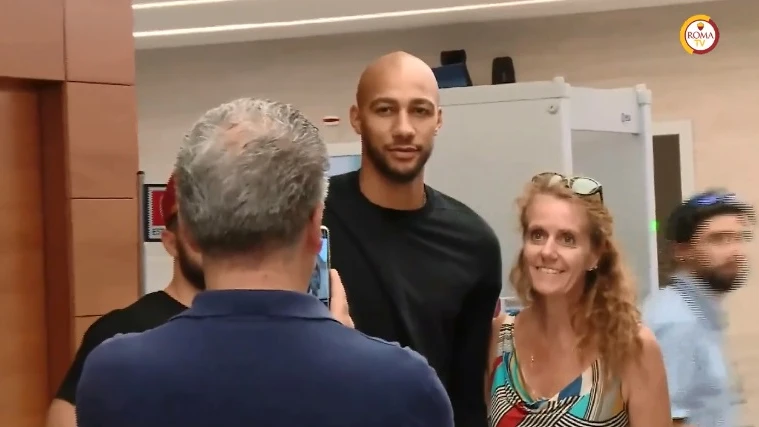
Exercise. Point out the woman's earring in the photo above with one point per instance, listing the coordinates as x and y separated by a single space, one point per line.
593 268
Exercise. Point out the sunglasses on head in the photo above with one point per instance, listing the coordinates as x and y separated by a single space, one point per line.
580 185
713 199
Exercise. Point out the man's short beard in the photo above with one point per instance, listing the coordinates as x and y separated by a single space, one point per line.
383 167
720 283
192 272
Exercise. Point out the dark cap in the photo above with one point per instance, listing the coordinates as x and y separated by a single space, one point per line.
169 200
684 221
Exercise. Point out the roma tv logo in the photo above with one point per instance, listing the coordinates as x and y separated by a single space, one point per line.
699 35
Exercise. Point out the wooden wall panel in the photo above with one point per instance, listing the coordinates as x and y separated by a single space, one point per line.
99 42
102 130
58 273
101 157
23 331
31 39
105 258
68 153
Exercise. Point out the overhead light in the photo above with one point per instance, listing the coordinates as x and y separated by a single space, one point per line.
336 19
176 3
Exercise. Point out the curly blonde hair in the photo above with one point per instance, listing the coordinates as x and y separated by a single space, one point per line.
607 318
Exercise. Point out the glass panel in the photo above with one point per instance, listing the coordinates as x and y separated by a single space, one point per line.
343 164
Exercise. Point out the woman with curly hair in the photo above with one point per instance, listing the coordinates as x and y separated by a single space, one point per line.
576 355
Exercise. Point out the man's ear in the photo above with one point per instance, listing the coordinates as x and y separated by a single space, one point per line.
187 237
169 240
680 251
355 119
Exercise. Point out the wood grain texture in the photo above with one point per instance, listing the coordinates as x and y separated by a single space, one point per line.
102 140
57 142
31 32
59 277
23 348
99 42
105 259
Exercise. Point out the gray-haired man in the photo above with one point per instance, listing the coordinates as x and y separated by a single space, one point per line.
255 349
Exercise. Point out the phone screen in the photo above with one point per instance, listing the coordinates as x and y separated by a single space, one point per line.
319 284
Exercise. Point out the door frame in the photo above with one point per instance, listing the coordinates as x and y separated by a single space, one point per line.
684 130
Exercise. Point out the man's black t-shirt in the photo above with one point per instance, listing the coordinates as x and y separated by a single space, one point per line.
428 279
151 310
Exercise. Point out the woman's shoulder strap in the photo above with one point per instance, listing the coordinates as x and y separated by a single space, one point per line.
505 323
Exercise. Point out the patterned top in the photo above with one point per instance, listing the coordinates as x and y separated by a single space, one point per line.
588 401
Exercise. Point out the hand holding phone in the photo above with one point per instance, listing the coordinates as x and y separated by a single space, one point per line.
319 285
339 301
326 283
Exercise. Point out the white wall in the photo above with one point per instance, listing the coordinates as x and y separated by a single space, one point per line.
717 91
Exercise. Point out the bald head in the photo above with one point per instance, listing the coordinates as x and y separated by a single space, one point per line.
393 67
397 114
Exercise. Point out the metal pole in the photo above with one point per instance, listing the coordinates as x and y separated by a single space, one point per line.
142 273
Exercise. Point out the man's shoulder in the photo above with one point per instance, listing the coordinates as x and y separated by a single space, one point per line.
114 322
459 212
113 355
130 348
122 320
392 361
132 321
121 367
342 185
406 375
668 314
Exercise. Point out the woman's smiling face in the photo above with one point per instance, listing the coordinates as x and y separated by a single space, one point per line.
557 249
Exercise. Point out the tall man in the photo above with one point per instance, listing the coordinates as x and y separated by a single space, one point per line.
419 267
146 313
255 349
709 234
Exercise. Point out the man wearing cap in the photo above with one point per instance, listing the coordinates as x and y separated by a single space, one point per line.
146 313
708 233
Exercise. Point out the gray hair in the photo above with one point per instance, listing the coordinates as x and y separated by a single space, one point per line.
250 173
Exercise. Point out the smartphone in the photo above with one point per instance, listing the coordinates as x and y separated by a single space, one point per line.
319 285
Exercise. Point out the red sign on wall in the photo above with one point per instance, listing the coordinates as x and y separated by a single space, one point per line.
152 217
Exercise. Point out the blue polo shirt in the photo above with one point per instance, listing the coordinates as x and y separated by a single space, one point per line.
689 326
257 358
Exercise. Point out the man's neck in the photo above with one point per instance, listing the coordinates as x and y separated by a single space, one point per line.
181 290
392 195
701 284
686 273
279 276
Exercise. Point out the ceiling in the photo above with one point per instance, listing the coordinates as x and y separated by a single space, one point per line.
162 23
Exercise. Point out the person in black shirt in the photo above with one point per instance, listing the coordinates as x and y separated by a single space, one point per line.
419 267
146 313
